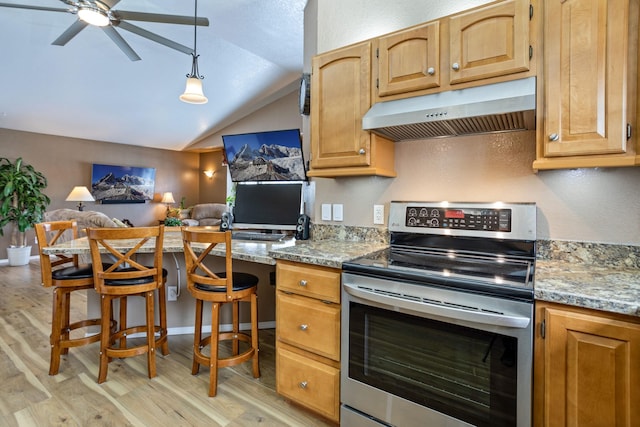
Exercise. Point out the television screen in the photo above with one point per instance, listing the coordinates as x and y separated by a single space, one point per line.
122 184
265 156
267 206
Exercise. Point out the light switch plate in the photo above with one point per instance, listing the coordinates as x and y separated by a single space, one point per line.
326 212
337 212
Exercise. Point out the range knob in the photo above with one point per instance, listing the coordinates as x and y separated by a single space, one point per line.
434 223
411 222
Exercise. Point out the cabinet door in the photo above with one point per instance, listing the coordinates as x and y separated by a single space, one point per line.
340 96
585 58
592 370
488 42
409 60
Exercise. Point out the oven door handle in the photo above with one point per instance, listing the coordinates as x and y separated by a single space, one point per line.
450 312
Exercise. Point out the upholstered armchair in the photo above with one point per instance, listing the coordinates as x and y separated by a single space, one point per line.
203 214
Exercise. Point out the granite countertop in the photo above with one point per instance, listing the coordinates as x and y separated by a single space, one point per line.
606 288
329 253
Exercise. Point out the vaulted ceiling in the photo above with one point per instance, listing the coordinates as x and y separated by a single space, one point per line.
250 55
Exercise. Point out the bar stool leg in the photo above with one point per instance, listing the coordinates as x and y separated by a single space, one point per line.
197 337
213 350
151 339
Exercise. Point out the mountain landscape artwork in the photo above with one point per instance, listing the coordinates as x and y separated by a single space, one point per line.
265 156
122 184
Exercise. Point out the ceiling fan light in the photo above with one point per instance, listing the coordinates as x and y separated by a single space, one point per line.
93 16
193 92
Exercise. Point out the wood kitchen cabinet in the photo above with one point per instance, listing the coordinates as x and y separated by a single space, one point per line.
466 49
587 368
340 96
589 83
308 336
489 41
408 60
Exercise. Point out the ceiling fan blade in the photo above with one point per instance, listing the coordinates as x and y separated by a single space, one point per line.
26 6
110 3
158 17
70 33
122 44
154 37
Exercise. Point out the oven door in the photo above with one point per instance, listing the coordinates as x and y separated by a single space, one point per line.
420 355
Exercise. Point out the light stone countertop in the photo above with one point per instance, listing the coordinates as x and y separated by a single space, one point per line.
612 289
330 253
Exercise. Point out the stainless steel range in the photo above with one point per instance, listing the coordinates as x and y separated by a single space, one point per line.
438 329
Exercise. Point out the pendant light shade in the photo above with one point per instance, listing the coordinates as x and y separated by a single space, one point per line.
193 93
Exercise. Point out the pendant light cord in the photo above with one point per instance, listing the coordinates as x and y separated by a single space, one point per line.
194 65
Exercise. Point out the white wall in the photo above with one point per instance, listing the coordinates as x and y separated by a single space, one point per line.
598 205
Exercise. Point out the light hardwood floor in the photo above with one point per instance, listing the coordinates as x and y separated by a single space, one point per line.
30 397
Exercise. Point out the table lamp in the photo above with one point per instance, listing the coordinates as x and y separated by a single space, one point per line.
80 194
167 199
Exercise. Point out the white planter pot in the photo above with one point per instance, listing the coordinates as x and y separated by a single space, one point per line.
19 256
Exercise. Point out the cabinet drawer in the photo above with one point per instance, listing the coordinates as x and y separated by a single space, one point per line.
309 280
308 382
309 324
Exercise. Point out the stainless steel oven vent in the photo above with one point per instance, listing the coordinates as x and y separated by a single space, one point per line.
499 107
521 120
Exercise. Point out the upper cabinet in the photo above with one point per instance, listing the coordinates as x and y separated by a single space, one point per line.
340 96
589 83
490 41
483 45
409 60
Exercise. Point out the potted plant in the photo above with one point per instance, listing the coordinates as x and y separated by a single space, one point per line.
22 204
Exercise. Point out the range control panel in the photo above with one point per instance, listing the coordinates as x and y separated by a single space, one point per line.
459 218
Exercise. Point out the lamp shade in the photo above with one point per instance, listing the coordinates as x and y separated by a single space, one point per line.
80 194
168 198
193 92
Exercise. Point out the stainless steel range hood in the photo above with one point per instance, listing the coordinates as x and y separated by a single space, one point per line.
498 107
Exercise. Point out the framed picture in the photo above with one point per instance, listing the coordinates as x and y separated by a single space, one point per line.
122 184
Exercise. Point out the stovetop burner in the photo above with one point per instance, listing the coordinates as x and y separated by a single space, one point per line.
477 247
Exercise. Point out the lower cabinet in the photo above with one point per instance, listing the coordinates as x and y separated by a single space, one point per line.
308 336
587 368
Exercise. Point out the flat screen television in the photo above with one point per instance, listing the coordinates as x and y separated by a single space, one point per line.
265 156
122 184
267 206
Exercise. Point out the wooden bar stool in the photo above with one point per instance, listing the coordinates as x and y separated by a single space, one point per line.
219 288
65 275
127 277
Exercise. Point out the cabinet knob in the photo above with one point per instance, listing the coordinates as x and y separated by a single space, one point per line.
431 71
553 137
361 151
303 282
304 327
455 66
303 384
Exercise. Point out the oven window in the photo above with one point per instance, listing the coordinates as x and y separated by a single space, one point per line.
466 373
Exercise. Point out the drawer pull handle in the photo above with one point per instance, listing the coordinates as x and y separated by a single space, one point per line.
455 66
303 282
554 137
431 71
304 327
303 384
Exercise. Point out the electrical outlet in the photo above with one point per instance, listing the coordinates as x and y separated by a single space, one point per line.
378 214
172 293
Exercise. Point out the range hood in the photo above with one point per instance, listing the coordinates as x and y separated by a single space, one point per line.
497 107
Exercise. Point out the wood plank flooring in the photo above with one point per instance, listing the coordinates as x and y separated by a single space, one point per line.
30 397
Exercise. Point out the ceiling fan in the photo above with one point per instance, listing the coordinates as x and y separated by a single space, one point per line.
100 13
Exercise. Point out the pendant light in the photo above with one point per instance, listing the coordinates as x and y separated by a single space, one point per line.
193 92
